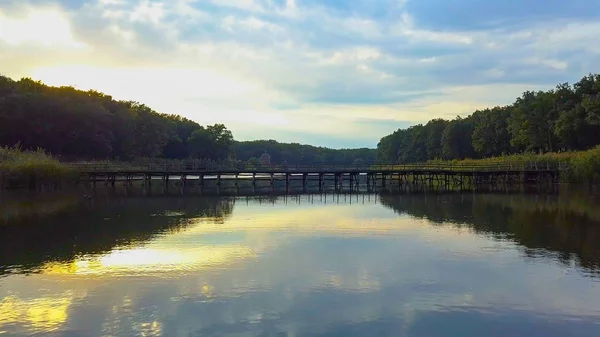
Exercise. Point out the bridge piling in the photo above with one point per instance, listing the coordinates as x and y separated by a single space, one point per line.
417 176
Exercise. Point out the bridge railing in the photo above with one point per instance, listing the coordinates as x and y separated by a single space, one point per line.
194 167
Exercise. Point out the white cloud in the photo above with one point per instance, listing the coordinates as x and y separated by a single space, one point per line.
231 24
249 5
147 11
351 56
373 72
406 27
364 27
290 10
550 63
280 63
45 26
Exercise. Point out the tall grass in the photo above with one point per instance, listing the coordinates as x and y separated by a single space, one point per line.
31 169
578 166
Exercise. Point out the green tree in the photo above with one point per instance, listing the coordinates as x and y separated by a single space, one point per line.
456 139
433 138
531 124
490 132
213 142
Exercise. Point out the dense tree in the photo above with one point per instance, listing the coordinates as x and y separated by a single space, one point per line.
531 124
490 132
456 139
214 141
295 154
73 125
562 119
433 137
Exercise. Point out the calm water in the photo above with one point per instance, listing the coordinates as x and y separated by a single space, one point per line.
309 265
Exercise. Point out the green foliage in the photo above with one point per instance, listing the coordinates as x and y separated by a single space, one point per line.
457 139
84 125
89 125
490 132
566 118
297 154
30 169
532 121
585 166
214 141
580 166
433 137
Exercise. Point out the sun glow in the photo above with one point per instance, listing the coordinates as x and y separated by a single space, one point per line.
41 314
145 261
46 27
173 90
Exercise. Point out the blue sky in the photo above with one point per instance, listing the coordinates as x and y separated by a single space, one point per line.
333 73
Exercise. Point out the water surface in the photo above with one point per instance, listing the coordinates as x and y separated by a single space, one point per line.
305 265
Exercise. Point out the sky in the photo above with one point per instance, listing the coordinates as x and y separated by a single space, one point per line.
330 73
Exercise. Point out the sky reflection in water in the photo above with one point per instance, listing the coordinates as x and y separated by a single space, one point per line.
307 267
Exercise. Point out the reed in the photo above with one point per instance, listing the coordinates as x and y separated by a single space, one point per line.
580 166
31 169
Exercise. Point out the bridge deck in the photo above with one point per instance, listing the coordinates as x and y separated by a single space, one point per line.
416 175
189 169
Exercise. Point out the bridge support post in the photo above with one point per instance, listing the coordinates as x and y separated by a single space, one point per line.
321 176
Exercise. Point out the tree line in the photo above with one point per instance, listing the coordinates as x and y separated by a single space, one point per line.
73 124
562 119
295 154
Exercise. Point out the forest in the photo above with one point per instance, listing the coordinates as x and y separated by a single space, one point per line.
293 153
74 125
566 118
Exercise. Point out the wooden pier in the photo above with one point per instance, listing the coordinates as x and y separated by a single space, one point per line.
415 176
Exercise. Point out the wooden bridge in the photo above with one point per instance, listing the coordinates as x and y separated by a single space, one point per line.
428 176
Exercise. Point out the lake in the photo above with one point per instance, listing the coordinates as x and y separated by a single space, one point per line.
126 263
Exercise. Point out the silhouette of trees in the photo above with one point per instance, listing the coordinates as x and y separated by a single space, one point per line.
561 119
73 125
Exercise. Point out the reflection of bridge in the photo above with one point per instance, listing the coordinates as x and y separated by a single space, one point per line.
446 176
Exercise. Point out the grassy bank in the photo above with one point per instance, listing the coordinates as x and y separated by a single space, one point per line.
31 169
582 166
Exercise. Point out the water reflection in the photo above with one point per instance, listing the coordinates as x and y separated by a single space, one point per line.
567 225
306 265
99 225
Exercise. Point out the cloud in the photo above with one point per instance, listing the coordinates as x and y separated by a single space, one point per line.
314 69
44 26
